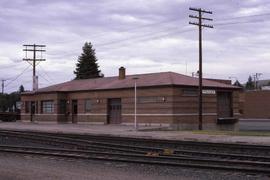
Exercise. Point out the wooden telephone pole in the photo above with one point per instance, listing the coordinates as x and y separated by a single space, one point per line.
34 48
3 85
200 25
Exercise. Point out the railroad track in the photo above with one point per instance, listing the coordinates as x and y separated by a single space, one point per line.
90 144
243 166
105 150
86 144
173 144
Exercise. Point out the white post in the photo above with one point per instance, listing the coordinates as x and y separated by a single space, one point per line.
135 105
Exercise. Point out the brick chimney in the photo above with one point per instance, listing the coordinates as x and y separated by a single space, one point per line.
122 73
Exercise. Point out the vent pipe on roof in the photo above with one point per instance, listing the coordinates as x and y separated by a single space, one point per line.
122 73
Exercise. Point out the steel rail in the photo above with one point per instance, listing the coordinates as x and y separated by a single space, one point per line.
3 147
152 140
128 148
135 158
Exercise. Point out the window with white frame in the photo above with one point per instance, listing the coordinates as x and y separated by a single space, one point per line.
47 106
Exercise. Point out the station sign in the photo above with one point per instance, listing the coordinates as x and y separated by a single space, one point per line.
208 91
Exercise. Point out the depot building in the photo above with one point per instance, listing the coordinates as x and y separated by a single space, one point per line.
163 99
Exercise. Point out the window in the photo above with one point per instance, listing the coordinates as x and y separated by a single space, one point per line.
88 105
47 106
190 92
62 106
151 99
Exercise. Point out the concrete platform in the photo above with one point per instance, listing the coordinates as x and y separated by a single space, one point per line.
254 124
128 131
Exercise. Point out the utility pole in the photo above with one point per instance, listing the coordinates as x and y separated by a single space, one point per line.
34 48
256 79
200 25
3 85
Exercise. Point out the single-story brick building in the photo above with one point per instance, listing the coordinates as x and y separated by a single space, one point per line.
164 98
256 104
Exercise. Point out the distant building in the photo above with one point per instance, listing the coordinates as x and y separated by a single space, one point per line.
256 104
265 88
263 84
164 98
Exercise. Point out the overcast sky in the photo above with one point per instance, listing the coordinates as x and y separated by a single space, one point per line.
143 36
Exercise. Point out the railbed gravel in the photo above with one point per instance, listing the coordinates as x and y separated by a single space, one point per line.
32 167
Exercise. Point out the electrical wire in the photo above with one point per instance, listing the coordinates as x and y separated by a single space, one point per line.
45 72
149 38
44 78
242 17
127 30
239 22
144 37
15 78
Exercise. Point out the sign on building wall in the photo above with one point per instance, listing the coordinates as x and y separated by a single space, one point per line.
208 91
18 104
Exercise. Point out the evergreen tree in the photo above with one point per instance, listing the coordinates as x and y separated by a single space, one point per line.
87 66
237 83
250 84
21 89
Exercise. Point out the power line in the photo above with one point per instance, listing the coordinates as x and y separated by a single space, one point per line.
239 22
14 79
167 21
16 86
131 42
136 37
146 37
44 71
44 78
172 20
247 16
150 36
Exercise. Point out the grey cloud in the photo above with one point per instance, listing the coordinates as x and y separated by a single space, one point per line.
130 31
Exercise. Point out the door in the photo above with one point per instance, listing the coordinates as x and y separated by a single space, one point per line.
74 111
32 110
224 104
114 111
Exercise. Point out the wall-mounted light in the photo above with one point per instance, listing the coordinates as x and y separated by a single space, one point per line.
68 102
98 100
163 99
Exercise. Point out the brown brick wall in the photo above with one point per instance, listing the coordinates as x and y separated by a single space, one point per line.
38 99
172 106
256 104
186 107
